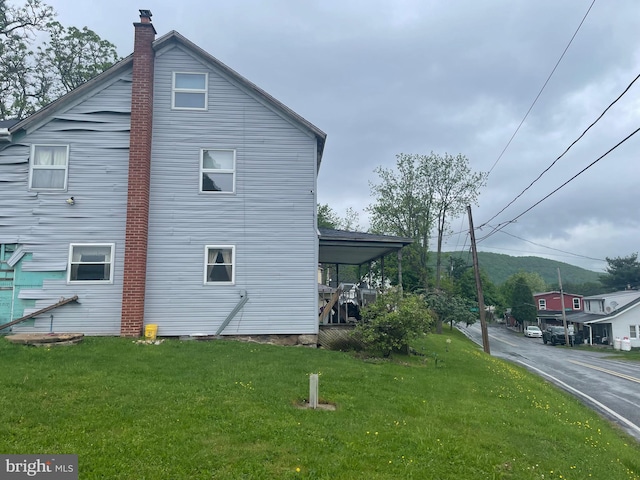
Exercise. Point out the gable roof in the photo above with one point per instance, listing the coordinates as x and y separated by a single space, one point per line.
118 68
607 318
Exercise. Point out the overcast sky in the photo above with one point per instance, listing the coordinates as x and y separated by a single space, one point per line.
456 76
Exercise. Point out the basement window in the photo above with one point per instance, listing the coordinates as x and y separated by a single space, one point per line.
217 170
91 263
48 167
189 91
219 264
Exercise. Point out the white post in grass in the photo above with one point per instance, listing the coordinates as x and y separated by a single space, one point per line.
313 390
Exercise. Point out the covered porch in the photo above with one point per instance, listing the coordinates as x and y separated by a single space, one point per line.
339 301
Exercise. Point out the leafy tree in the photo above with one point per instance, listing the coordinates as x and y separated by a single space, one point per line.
622 273
65 59
404 206
451 308
455 187
421 193
392 321
533 280
522 306
327 217
466 288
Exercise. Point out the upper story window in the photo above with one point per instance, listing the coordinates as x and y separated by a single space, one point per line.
91 263
542 304
217 170
576 304
189 91
219 264
48 167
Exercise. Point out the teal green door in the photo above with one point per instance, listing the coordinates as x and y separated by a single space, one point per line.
6 283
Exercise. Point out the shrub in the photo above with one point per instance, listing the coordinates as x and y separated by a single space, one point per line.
393 321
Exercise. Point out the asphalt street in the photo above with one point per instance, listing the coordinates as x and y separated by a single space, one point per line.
609 386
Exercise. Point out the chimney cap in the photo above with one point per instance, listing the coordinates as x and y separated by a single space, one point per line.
145 14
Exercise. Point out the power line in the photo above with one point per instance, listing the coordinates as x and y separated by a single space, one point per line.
566 150
541 90
551 248
504 224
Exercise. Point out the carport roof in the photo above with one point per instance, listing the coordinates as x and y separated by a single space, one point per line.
356 248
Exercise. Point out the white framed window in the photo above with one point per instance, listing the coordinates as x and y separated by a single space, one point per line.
633 331
189 91
219 264
542 304
576 304
48 167
217 170
90 263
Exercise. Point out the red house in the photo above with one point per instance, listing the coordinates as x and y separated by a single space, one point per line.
546 301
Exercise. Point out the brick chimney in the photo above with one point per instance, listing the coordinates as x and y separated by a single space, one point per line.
137 226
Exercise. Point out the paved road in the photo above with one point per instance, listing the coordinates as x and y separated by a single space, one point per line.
611 387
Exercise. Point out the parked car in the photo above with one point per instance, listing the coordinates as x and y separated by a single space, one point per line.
532 332
555 335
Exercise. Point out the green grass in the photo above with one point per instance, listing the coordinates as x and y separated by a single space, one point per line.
228 410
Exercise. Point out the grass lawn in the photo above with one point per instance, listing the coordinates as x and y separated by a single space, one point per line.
228 410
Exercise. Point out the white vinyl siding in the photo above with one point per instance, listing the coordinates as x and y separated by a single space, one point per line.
190 91
48 167
219 264
91 263
217 170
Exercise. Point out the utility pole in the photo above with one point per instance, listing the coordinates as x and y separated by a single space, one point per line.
564 315
476 268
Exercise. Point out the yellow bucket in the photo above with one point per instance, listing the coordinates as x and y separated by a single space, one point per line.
150 331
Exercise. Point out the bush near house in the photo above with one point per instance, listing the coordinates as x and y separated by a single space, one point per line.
393 321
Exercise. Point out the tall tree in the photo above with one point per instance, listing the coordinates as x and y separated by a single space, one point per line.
404 206
65 58
422 192
533 280
455 187
522 307
622 273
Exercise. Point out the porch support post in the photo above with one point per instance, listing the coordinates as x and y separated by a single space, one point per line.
400 269
382 273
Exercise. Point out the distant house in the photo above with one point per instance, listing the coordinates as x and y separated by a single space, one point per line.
168 190
613 315
551 302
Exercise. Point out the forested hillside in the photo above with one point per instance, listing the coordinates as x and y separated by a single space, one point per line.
499 267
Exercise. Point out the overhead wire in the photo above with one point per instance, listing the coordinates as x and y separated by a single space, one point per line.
504 224
566 150
542 89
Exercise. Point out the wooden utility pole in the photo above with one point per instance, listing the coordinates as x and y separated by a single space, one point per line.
476 268
564 315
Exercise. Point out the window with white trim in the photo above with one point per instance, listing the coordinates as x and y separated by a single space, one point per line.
633 331
91 263
217 170
576 304
48 167
219 264
542 304
189 91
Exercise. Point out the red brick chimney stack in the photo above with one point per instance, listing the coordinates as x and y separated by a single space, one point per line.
137 226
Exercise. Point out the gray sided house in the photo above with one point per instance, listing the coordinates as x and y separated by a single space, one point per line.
189 203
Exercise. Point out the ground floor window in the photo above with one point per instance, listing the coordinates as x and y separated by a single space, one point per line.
219 264
91 263
633 331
